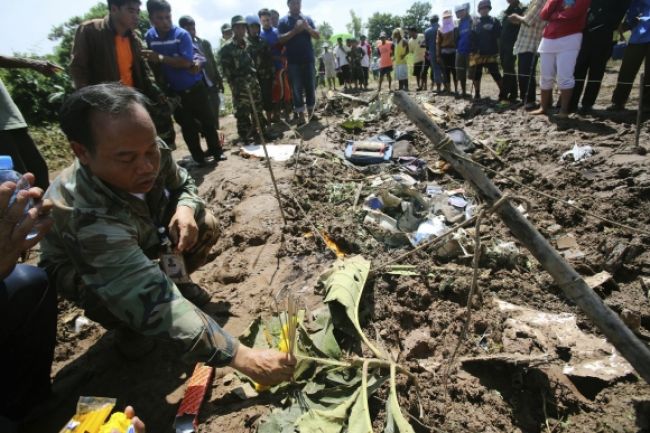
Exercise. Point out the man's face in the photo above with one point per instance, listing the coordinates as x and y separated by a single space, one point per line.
253 30
126 153
484 12
127 15
162 21
275 19
339 41
294 6
266 21
191 29
461 14
413 34
383 39
227 34
239 30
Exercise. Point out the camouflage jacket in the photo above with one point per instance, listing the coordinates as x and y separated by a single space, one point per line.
261 53
105 241
237 63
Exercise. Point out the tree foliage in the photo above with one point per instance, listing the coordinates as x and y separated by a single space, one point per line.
417 15
382 22
355 26
326 31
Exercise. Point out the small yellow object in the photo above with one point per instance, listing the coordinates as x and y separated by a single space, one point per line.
118 422
283 346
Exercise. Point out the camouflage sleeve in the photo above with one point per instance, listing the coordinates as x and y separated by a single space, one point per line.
179 182
209 55
139 294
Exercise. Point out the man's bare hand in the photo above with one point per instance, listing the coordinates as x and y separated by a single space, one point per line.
266 367
515 19
137 423
15 225
183 229
150 56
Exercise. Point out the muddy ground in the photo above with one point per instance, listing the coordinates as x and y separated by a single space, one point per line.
417 319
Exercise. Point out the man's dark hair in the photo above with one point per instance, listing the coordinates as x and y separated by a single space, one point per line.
112 98
264 13
413 29
274 12
154 6
120 3
185 20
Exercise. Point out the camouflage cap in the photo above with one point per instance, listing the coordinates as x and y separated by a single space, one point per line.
226 28
237 19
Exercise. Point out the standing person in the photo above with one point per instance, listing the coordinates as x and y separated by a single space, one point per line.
559 50
238 66
637 50
385 49
446 46
280 90
261 53
431 36
418 48
211 76
365 61
15 140
296 33
401 67
485 33
463 38
509 33
341 54
329 62
226 34
355 55
275 18
374 68
171 48
603 19
525 48
108 50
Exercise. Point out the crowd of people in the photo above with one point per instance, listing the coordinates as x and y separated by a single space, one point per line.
125 203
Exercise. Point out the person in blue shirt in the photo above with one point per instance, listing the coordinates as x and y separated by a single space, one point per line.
463 37
172 50
296 32
430 37
637 50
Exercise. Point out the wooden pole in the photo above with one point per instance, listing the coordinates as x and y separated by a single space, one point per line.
266 153
571 283
639 113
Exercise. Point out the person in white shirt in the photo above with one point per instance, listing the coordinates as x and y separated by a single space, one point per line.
329 60
341 54
365 61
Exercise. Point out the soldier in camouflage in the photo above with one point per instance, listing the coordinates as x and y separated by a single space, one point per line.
102 250
261 53
238 62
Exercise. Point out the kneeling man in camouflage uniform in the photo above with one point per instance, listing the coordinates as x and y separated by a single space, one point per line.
112 207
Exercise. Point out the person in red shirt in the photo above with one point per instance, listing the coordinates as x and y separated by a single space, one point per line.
559 50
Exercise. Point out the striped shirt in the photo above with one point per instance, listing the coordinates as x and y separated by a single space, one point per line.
530 33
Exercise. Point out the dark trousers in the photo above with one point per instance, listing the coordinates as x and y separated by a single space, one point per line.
27 337
448 67
527 72
266 86
195 116
365 76
18 144
215 103
508 61
591 62
632 59
493 69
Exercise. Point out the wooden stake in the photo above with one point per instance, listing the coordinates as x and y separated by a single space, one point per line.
639 113
571 283
266 153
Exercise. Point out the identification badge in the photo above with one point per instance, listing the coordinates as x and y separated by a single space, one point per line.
174 266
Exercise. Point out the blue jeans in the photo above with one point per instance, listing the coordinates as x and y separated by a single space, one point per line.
303 80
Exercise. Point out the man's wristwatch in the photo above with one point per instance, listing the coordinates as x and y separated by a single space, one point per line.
160 58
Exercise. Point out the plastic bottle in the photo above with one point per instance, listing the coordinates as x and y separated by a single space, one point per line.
8 174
